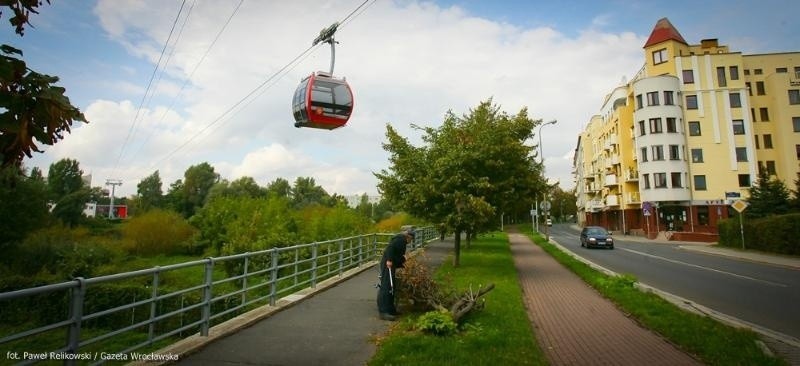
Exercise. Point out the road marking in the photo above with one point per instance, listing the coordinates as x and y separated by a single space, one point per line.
706 268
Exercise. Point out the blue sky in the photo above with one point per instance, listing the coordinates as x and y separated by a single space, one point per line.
407 61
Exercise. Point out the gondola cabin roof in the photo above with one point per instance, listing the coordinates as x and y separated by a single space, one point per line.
322 101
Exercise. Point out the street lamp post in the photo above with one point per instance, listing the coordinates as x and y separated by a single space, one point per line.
544 199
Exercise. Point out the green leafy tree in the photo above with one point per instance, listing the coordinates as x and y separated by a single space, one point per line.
242 187
280 188
470 169
197 182
795 202
67 191
23 206
149 193
32 108
306 192
767 197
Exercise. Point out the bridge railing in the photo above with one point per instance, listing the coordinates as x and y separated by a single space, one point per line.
160 314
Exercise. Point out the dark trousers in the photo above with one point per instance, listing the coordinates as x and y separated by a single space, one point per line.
386 293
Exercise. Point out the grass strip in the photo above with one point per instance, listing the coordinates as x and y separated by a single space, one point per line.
713 342
500 334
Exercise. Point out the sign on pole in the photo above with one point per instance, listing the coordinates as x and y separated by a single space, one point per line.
740 206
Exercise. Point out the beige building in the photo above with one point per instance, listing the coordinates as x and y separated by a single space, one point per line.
672 148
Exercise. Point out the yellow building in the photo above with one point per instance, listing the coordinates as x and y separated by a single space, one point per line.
687 136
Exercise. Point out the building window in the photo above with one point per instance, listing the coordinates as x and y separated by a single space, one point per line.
676 180
700 183
672 126
736 100
639 101
764 114
738 127
741 154
702 215
753 114
691 102
660 56
646 178
744 180
688 77
749 88
644 154
641 129
734 72
760 88
757 72
757 144
794 96
767 141
658 152
781 70
721 77
697 155
797 151
674 152
669 97
655 125
747 71
694 128
660 180
652 98
796 124
771 167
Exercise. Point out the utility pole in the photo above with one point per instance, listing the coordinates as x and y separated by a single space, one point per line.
113 183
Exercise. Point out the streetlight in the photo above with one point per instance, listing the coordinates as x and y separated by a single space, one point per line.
541 159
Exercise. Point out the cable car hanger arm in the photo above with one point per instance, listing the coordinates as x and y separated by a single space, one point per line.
326 35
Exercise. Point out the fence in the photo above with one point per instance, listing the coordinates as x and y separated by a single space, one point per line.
140 310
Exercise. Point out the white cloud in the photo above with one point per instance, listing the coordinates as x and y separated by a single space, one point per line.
407 62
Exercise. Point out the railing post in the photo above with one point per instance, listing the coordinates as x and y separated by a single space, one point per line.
360 250
153 307
296 265
207 293
314 265
76 315
274 276
341 257
244 277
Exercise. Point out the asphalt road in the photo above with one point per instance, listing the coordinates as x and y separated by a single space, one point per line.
762 294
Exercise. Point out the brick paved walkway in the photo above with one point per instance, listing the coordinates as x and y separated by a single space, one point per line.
575 325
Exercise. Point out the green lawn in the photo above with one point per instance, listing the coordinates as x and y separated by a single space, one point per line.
500 334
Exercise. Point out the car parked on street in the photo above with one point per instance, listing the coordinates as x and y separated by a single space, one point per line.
596 236
549 222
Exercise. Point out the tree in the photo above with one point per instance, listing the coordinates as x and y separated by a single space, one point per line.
306 192
279 188
197 181
767 197
23 208
470 169
795 202
67 191
149 193
33 108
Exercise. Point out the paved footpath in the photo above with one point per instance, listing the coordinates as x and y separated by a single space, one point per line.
574 324
337 326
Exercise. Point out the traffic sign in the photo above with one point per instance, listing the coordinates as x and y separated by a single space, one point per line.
739 206
545 206
646 212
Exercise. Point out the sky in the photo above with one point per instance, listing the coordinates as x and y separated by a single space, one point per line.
166 84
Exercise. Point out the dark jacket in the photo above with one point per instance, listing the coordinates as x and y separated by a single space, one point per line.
395 251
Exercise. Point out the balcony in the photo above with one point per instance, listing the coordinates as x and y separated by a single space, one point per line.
594 206
611 180
613 140
592 187
633 197
632 175
615 160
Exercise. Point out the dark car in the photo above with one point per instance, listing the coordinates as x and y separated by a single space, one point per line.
596 236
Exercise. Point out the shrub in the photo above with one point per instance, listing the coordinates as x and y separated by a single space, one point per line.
775 234
437 322
159 232
418 288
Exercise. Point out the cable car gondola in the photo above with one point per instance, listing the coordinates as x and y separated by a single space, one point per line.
322 100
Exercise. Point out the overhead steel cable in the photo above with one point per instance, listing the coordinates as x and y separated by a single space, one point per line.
275 76
147 90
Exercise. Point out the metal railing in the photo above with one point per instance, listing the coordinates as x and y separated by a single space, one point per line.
244 282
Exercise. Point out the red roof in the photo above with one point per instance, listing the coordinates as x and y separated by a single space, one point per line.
664 31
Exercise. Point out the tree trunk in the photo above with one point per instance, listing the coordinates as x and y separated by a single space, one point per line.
468 301
469 237
457 254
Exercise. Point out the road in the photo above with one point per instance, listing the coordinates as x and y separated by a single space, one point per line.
762 294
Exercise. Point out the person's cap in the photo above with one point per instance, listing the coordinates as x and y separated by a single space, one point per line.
410 232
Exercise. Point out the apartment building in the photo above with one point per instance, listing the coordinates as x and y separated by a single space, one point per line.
674 147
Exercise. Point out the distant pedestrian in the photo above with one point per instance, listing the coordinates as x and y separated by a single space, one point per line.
393 258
